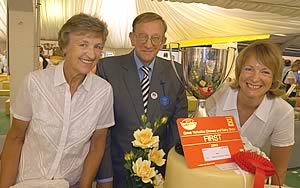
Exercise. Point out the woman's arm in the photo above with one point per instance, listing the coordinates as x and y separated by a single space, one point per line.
11 152
94 157
104 177
280 157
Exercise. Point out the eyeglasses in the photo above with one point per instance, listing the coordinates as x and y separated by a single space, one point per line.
155 39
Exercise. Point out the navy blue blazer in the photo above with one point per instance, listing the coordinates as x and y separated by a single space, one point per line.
121 73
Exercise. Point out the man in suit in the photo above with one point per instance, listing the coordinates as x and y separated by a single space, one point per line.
166 96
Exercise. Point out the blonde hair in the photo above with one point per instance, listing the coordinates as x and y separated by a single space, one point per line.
269 55
81 23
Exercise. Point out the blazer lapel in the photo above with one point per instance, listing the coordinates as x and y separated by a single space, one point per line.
132 83
155 88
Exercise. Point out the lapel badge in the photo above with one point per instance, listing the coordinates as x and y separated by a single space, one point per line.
164 100
154 95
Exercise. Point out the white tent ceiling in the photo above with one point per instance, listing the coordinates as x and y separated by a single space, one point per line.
185 21
281 7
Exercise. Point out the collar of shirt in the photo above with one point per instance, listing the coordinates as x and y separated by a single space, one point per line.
262 111
139 64
59 77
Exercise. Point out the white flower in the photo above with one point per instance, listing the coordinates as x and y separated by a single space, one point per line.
144 139
142 168
156 156
158 181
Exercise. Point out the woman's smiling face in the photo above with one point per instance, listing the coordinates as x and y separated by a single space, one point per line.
83 52
255 79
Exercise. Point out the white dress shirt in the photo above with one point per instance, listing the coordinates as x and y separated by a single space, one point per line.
272 121
58 136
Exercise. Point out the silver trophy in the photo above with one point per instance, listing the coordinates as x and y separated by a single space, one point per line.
204 69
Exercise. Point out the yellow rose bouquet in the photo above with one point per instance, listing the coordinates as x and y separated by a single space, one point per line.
145 156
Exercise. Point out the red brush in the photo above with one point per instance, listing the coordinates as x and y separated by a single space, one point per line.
255 164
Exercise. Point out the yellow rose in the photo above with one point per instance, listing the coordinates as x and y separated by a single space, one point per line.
144 139
156 156
158 181
129 156
142 169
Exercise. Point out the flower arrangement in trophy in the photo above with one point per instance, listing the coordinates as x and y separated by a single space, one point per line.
145 156
204 69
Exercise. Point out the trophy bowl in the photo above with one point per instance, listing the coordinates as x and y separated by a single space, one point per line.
204 69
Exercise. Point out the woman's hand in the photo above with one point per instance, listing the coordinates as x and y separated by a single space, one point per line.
280 157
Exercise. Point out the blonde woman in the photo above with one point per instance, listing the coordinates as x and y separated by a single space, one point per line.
254 101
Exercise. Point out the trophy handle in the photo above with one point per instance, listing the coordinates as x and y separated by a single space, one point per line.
172 60
233 59
174 67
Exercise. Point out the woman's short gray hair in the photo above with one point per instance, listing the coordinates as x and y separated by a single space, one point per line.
82 23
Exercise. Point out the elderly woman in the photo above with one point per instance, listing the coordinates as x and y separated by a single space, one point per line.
61 114
253 99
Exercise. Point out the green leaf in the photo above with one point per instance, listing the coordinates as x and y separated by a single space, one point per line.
148 125
156 124
127 166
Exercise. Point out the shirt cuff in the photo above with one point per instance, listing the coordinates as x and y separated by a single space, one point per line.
106 180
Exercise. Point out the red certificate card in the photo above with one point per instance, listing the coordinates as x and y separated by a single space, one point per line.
209 140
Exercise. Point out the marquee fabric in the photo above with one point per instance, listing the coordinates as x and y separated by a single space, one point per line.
281 7
186 19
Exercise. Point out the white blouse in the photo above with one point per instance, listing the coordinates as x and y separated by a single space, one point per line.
58 136
272 121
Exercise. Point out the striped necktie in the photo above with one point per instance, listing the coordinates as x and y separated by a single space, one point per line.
145 84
